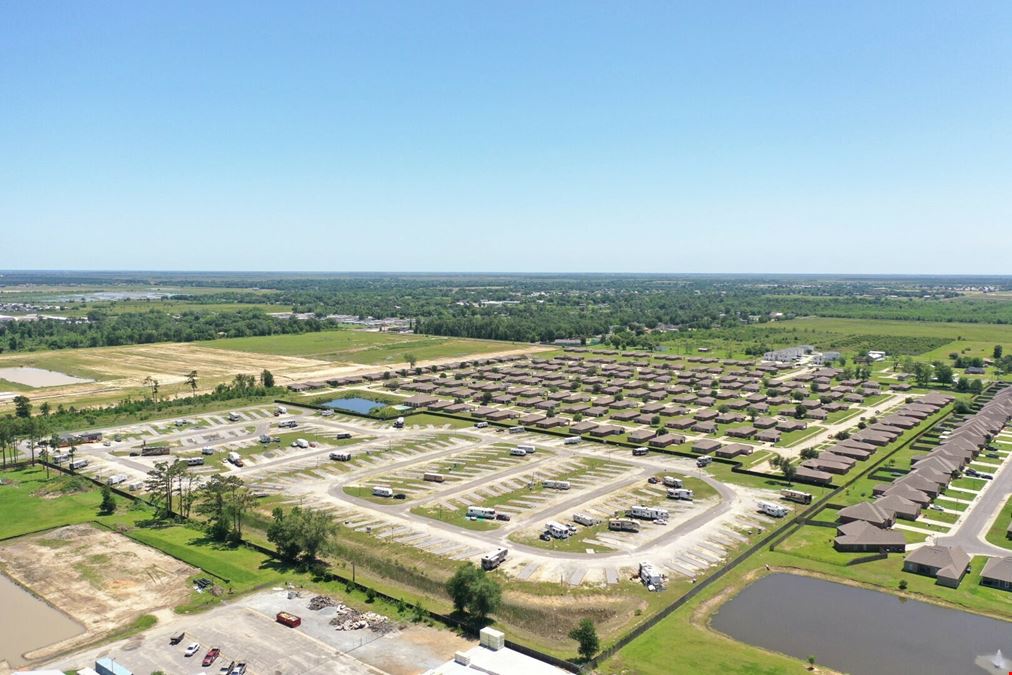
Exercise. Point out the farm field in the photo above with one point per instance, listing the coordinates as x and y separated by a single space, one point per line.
362 347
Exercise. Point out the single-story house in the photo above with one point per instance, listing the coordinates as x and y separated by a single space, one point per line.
867 512
664 440
859 536
734 449
706 445
947 564
997 573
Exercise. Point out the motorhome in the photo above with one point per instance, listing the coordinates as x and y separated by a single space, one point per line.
233 417
584 519
529 449
490 561
281 410
301 443
671 481
648 512
481 512
517 452
78 464
207 450
556 484
558 530
775 510
796 496
382 491
572 440
680 493
115 479
705 460
516 430
623 525
235 458
194 461
341 456
434 477
154 450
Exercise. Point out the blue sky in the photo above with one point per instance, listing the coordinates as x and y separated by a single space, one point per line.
871 137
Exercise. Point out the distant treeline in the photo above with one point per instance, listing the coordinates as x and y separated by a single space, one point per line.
104 330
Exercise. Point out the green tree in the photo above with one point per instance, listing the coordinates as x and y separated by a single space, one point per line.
22 406
789 470
266 379
998 351
191 379
586 636
108 505
411 359
473 591
922 373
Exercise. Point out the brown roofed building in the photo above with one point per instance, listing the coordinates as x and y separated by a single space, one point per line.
997 573
858 536
947 564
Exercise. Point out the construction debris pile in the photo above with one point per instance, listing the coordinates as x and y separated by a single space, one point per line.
348 618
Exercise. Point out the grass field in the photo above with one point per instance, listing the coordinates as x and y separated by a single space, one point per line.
997 533
367 348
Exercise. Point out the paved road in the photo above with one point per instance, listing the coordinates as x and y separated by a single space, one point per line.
969 532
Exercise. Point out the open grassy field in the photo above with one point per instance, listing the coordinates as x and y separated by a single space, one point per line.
362 347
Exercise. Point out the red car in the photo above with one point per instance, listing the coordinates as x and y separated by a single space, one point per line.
211 655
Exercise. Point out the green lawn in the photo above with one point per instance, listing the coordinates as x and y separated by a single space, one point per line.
29 503
997 534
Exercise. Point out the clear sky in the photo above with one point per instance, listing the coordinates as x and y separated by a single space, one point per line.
507 136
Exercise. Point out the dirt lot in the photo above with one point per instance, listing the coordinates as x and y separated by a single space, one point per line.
245 630
101 579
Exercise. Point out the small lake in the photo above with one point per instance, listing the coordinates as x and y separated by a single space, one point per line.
863 632
363 406
29 623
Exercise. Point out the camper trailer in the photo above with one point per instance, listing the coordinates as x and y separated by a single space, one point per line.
775 510
281 410
556 484
382 491
517 452
796 496
584 519
235 459
434 477
528 449
671 481
705 460
233 417
572 440
341 456
490 561
208 450
680 493
115 479
623 525
194 461
639 452
651 576
301 443
648 513
78 464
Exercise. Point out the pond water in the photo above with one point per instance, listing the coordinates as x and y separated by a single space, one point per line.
38 377
859 631
357 404
29 623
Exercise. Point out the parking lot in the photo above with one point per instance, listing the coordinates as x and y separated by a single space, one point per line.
247 631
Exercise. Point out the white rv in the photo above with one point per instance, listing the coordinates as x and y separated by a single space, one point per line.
584 519
648 513
556 484
481 512
382 491
517 452
115 479
680 493
233 417
671 481
558 530
490 561
651 576
775 510
341 456
572 440
528 449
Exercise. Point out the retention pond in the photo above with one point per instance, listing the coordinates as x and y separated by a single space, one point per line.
29 623
854 630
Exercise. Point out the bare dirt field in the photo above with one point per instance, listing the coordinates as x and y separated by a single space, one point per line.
38 377
101 579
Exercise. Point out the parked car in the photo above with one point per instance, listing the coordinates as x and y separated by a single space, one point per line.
545 536
227 668
993 455
400 495
971 472
935 507
176 639
653 480
192 649
985 476
502 516
211 655
239 669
